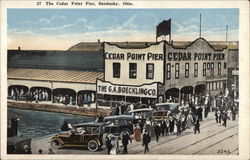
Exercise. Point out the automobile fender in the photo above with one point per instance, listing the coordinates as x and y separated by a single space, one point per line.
97 141
56 138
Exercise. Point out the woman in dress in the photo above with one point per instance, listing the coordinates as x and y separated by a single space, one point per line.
114 146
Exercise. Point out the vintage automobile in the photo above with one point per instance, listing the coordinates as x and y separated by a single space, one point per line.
142 113
159 115
118 124
173 107
82 135
17 145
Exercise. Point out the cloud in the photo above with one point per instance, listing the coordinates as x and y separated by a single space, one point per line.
80 21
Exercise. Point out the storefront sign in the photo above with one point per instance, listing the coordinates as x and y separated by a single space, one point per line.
182 56
147 90
134 56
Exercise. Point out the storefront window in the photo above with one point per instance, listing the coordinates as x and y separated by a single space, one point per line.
195 69
219 68
177 70
212 69
150 71
168 75
116 70
204 69
186 70
132 70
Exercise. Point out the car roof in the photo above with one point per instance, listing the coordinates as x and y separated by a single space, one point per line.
117 117
141 110
88 124
15 140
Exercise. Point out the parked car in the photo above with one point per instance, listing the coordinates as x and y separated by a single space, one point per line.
82 135
173 107
17 145
117 124
159 115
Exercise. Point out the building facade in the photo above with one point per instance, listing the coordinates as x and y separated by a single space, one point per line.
173 73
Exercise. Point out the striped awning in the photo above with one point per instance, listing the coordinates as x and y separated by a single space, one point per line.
54 75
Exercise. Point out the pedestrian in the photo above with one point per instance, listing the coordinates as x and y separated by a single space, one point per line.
197 125
171 124
40 151
146 140
51 151
167 126
189 120
108 143
163 126
224 117
157 131
114 146
178 126
125 139
199 113
229 114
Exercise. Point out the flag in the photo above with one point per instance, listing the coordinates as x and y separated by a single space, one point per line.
163 28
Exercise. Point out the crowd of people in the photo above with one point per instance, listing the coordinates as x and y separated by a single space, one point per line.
190 116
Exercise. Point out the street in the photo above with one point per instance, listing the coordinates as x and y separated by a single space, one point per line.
214 139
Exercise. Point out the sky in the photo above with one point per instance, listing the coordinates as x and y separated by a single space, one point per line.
59 29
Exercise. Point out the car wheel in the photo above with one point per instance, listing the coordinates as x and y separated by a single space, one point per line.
93 145
56 144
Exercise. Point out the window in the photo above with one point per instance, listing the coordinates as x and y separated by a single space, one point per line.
116 70
204 69
186 70
195 69
212 69
150 71
208 66
168 69
132 70
219 68
225 65
208 86
177 70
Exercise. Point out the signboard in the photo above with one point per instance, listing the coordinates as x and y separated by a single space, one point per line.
147 90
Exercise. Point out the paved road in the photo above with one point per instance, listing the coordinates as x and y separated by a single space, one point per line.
214 139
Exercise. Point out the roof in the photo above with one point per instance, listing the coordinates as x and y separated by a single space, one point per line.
65 60
141 110
54 75
89 124
118 117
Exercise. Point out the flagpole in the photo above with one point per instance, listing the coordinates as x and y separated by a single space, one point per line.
226 32
200 27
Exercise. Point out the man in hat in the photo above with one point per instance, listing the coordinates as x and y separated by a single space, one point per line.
146 140
125 139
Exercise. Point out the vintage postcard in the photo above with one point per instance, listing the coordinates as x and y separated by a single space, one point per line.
125 79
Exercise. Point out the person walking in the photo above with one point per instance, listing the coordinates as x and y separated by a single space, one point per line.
224 117
108 143
163 126
189 120
146 140
171 125
114 146
157 132
197 125
125 139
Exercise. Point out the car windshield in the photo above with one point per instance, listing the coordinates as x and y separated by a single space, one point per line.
166 106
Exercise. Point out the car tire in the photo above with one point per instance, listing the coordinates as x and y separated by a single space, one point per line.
56 144
93 145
